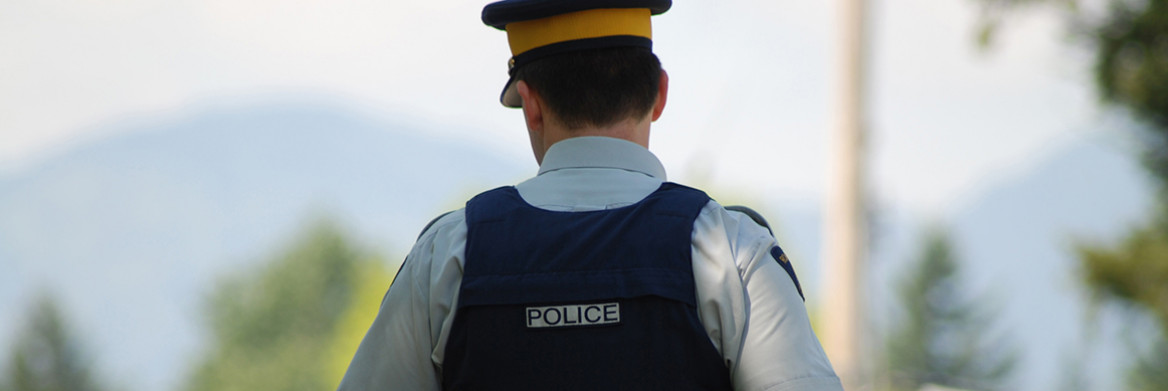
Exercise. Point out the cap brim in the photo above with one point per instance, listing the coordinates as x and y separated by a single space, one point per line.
510 96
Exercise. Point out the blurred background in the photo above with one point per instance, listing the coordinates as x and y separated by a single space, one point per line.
214 195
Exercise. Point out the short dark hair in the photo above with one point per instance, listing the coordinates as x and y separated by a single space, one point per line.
597 87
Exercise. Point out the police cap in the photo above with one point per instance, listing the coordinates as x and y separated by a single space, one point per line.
541 28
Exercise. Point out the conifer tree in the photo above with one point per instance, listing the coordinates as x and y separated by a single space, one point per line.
46 356
941 337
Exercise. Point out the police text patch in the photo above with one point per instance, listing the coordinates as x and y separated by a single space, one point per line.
573 315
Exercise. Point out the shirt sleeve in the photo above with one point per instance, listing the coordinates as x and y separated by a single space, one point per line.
752 310
398 351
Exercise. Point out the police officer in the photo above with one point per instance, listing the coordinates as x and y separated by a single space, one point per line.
597 273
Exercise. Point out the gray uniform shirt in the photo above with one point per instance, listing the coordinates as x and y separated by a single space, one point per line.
748 304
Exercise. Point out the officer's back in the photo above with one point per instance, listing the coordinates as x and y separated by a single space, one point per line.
597 273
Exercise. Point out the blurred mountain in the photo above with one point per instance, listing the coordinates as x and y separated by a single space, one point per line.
131 231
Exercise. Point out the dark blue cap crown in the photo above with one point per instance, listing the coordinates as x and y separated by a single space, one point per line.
500 13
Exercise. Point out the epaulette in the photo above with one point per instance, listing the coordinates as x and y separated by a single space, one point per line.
431 224
420 234
758 219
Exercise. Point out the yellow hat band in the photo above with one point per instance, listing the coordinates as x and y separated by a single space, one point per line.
594 23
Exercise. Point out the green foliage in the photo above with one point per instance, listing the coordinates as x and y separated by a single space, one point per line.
274 328
1132 58
1131 69
941 337
1134 272
46 357
372 281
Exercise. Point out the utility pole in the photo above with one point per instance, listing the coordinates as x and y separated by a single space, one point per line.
845 235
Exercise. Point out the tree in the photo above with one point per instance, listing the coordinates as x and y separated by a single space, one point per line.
46 357
372 281
941 339
276 328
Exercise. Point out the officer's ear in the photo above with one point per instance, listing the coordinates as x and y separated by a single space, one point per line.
532 108
662 94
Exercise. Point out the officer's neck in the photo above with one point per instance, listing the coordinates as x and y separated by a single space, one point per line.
635 130
545 129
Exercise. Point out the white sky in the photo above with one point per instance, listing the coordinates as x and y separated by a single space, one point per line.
750 103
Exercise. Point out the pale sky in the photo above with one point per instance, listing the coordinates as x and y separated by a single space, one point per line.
750 104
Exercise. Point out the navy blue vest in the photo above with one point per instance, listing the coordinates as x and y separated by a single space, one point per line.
600 300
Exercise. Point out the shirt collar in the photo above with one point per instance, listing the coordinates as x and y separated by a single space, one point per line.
601 152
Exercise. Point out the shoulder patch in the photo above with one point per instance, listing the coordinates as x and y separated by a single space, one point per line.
781 257
776 251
